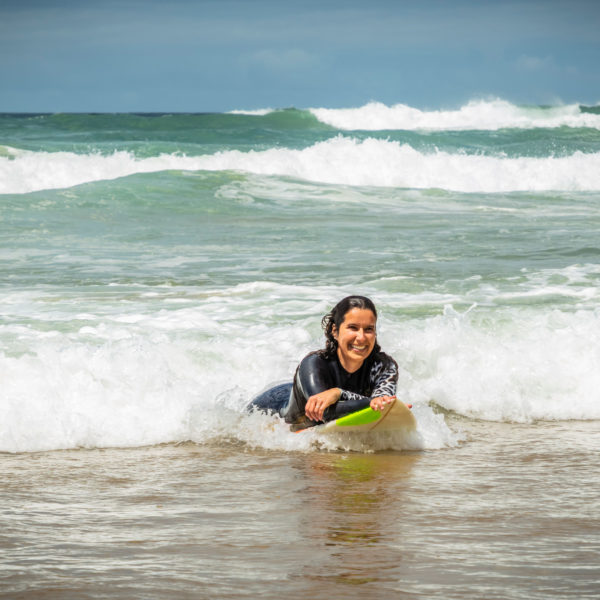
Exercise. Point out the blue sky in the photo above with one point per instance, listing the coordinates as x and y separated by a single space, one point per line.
219 55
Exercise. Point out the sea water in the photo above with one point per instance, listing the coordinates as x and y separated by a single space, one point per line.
159 270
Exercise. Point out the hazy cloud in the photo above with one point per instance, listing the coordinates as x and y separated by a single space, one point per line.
293 58
534 63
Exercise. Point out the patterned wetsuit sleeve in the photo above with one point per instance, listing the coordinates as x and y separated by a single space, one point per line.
385 377
382 377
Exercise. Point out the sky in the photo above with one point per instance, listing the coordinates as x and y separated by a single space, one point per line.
221 55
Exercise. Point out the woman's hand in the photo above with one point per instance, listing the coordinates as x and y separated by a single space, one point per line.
316 405
381 402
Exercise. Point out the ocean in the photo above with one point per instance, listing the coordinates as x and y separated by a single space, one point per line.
157 271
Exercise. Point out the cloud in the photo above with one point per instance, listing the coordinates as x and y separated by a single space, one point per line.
546 66
276 60
534 63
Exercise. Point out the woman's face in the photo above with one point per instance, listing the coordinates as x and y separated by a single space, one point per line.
356 337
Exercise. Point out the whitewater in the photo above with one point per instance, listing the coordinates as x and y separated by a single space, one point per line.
489 115
340 161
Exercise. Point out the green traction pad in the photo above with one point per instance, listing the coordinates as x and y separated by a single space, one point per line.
360 417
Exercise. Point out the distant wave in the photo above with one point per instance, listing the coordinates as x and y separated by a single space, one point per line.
341 160
476 115
260 112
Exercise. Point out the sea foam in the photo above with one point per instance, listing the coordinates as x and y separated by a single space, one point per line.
488 115
341 160
521 366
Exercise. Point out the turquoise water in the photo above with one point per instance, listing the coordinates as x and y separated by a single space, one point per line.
157 271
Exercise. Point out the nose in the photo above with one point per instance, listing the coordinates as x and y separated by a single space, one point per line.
360 335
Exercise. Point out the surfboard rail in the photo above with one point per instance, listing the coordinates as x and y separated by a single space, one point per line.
395 416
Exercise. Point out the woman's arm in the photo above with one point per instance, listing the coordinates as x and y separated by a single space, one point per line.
314 383
386 378
316 405
384 374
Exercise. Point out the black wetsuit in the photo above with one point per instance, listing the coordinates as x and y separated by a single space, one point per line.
376 377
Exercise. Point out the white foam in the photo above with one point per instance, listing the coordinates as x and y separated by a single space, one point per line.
26 171
341 160
259 112
96 376
476 115
519 366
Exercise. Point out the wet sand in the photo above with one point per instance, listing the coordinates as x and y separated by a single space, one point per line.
512 512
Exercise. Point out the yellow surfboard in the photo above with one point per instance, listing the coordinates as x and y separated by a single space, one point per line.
393 417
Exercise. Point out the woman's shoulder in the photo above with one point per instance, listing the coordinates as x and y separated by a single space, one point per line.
315 361
314 357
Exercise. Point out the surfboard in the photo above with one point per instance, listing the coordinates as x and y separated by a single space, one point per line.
393 417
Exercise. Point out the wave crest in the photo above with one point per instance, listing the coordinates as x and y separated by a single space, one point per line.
488 115
340 161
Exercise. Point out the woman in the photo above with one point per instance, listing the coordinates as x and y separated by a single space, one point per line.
349 374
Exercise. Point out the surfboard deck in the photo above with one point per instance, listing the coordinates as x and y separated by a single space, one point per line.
393 417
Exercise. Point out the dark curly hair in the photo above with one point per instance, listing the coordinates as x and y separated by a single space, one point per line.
336 317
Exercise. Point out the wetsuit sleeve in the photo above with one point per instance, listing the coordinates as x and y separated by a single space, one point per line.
385 377
313 376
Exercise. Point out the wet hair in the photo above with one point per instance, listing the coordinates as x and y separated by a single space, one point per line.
335 318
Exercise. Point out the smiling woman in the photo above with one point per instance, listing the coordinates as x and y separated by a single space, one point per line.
349 374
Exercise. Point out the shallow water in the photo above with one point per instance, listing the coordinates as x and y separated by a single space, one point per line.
511 512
